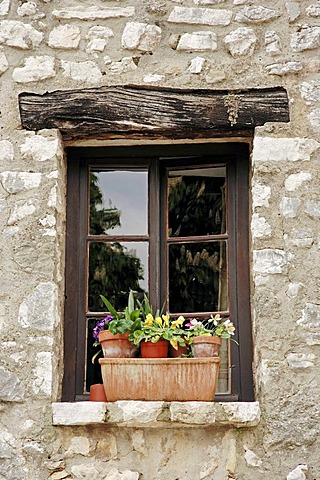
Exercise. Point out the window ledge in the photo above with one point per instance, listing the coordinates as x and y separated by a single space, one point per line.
157 414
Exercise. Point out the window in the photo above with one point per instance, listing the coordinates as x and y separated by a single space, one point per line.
171 221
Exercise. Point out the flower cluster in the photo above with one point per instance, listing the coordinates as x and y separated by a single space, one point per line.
101 325
156 327
214 326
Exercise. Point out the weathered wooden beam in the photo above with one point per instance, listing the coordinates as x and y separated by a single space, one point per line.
130 111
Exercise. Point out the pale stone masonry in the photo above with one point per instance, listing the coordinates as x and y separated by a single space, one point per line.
48 45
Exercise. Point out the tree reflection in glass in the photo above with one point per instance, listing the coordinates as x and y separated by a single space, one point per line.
196 202
196 273
116 267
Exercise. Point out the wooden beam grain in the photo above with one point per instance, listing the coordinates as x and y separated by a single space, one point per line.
136 112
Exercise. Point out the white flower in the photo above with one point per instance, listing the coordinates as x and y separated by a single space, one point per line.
229 327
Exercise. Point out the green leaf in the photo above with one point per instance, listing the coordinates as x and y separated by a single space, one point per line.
131 302
110 308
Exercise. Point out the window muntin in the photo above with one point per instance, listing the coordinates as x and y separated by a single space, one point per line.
235 221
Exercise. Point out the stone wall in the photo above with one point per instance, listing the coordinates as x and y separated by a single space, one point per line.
48 45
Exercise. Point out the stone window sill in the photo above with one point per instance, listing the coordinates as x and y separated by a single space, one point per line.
157 414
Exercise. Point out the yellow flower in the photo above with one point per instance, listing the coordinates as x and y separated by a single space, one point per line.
174 343
177 323
158 321
149 320
166 318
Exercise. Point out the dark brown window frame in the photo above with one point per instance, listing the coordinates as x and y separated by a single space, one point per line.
238 155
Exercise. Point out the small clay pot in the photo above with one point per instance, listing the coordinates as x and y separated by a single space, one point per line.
116 346
154 350
206 346
176 353
97 393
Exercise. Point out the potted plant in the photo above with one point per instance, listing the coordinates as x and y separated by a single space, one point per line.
206 336
157 332
112 332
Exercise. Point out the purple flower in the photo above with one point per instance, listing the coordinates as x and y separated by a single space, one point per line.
101 325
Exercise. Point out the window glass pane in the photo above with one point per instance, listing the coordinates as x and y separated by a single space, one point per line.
118 203
196 202
114 269
198 277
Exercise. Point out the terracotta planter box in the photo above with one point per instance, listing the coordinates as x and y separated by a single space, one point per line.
167 379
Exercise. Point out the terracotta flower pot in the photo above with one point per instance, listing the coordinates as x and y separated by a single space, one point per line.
206 346
173 353
116 346
97 393
160 379
154 350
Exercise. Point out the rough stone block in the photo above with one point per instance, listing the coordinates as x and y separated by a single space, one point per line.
43 373
139 412
293 10
272 43
314 119
141 36
260 195
6 151
18 34
28 9
310 91
310 317
268 149
239 414
64 37
82 71
79 446
256 15
4 7
289 206
260 227
40 148
307 38
21 210
313 208
126 64
4 65
270 261
198 413
35 69
14 182
252 460
80 413
94 12
301 360
39 309
299 238
116 474
11 389
196 65
98 37
153 78
198 41
313 11
284 68
241 42
200 16
294 181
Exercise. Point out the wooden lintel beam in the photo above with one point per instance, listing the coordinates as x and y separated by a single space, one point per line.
130 111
